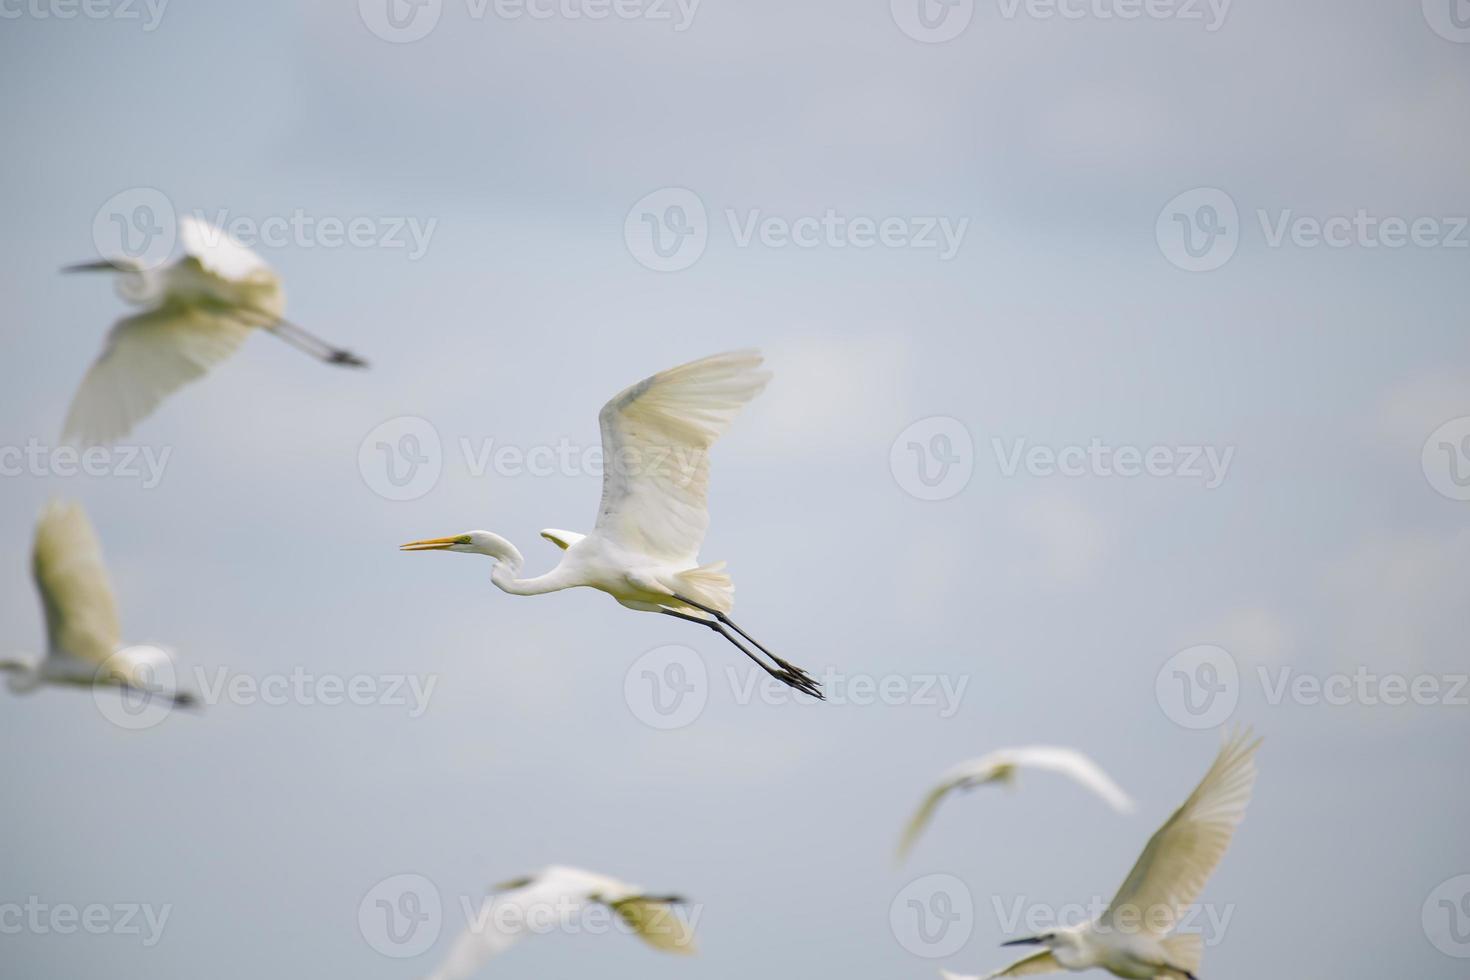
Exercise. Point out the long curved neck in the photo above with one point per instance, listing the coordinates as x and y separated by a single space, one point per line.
509 563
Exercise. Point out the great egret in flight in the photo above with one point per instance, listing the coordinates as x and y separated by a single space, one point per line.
197 310
644 549
83 639
548 900
1132 938
1000 767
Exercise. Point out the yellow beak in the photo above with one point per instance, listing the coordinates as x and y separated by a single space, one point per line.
430 544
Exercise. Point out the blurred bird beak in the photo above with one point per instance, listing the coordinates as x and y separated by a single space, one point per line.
1028 941
430 544
102 266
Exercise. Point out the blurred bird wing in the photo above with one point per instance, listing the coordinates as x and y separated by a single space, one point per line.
1182 854
146 358
1036 963
656 438
81 613
505 918
925 813
1070 762
220 253
657 923
526 907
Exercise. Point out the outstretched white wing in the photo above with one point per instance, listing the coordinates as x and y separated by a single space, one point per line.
1182 854
1030 966
553 900
220 253
1071 763
147 357
656 438
81 614
1001 764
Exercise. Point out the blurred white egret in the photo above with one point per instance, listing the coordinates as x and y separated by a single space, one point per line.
198 309
1132 938
83 638
552 898
644 548
1000 767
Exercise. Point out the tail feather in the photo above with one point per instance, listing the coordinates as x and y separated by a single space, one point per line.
1185 951
708 585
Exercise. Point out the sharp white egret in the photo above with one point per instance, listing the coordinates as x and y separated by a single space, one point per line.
1132 939
84 646
552 898
1000 767
644 549
197 310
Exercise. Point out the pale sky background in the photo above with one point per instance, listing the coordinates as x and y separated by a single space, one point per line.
1055 600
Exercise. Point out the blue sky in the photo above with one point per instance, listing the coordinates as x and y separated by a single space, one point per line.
1334 545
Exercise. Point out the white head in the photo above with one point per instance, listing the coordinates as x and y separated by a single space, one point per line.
470 543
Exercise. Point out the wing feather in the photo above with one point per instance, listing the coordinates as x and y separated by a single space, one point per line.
657 923
1181 855
81 613
1033 965
656 438
146 358
1075 765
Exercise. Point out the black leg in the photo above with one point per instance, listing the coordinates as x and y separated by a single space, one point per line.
800 682
315 346
302 340
788 667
